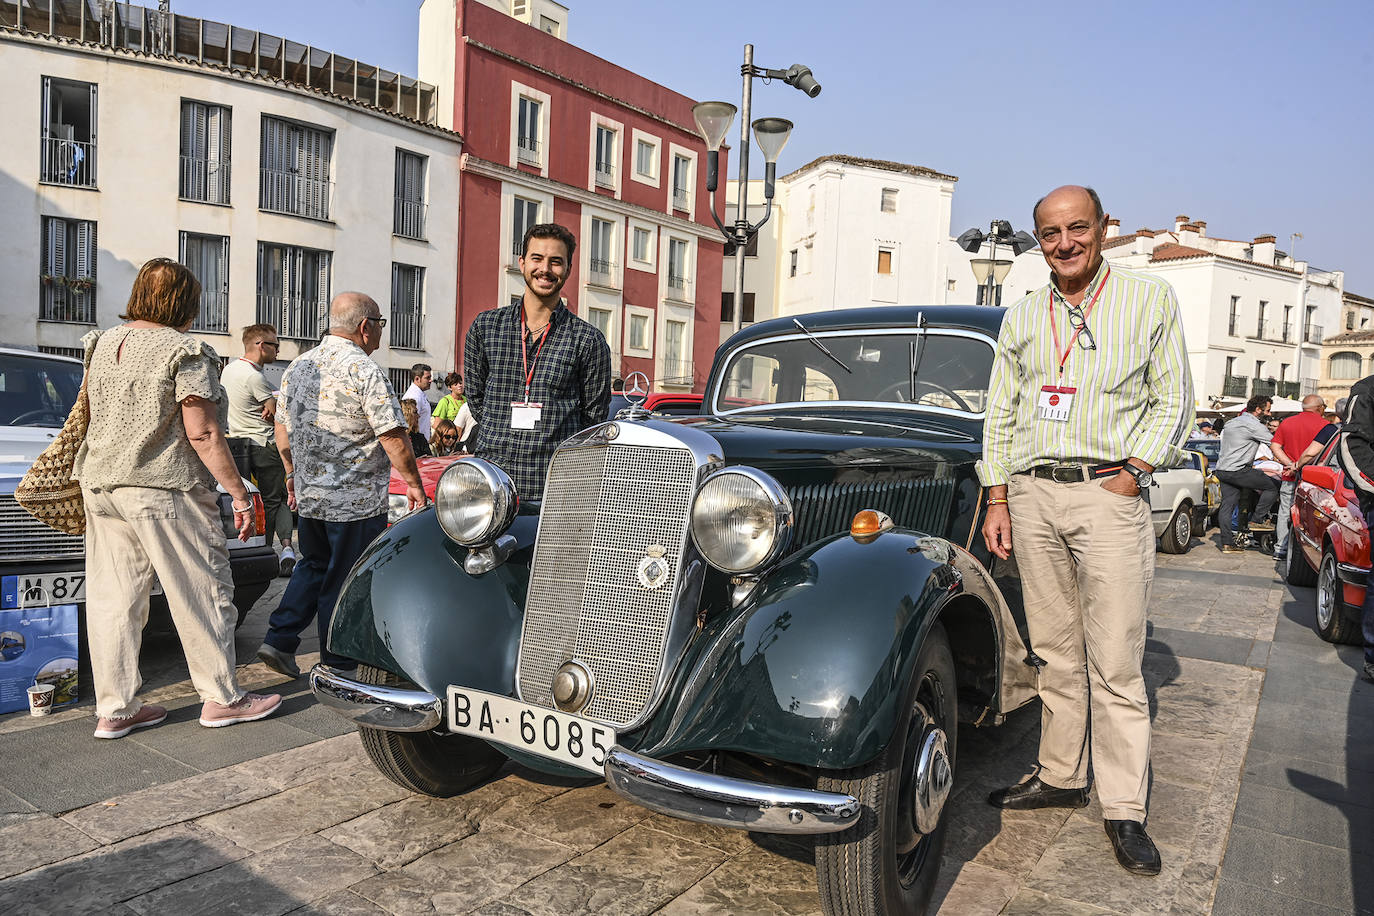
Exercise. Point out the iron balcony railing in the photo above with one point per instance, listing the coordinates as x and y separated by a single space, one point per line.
677 372
1309 386
679 288
1290 390
1235 386
69 162
603 272
285 191
515 252
1264 386
204 180
527 150
1287 332
681 200
60 302
408 219
406 327
214 312
605 175
1312 333
295 317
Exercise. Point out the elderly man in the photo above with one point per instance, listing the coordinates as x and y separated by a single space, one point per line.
1090 392
1291 440
1236 471
339 431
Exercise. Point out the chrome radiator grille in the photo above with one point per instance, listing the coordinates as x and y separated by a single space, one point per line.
826 509
604 508
23 537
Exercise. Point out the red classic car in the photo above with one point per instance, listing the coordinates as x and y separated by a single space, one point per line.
1329 546
431 469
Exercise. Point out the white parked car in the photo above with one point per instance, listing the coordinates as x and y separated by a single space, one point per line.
1178 504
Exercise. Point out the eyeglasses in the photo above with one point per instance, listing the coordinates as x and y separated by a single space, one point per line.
270 343
448 438
381 322
1079 321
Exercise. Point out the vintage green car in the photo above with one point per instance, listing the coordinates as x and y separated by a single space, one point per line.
773 616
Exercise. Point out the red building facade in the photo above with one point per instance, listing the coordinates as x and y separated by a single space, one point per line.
554 133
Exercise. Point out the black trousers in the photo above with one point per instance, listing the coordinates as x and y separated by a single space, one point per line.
1232 482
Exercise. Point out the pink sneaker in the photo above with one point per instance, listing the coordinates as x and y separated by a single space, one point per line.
108 727
252 707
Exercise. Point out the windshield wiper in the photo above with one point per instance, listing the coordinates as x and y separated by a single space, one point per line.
822 347
918 355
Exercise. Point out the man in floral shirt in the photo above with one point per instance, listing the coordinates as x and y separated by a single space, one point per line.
340 431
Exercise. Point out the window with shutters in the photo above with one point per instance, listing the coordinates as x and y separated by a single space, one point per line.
68 133
205 145
679 281
525 213
888 202
295 169
601 261
67 278
409 219
605 156
407 306
207 256
677 368
682 183
527 132
293 290
884 260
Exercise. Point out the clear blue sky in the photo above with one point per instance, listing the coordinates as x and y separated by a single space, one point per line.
1255 116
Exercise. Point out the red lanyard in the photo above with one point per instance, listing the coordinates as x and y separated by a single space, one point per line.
1064 357
524 356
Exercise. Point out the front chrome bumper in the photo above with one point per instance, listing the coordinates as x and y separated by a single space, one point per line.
676 791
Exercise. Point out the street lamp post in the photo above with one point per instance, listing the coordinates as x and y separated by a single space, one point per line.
713 122
990 271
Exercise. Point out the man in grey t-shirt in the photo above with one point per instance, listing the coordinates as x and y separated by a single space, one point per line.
1240 440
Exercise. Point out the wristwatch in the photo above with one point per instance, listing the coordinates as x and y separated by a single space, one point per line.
1143 478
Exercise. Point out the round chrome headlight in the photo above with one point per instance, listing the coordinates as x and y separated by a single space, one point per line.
474 501
741 519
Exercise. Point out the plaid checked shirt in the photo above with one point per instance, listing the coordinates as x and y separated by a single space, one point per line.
572 380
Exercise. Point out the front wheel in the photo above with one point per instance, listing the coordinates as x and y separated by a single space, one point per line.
1297 571
887 863
427 762
1179 534
1333 625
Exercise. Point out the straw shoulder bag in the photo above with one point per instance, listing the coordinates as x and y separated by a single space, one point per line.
48 491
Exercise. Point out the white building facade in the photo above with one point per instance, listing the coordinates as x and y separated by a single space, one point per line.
277 192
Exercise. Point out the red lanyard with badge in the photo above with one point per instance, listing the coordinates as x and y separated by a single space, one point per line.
1055 401
525 414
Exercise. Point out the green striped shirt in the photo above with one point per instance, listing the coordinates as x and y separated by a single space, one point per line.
1135 390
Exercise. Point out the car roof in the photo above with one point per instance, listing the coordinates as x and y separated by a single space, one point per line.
987 319
19 351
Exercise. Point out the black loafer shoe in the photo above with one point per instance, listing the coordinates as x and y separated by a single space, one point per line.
1134 849
1035 794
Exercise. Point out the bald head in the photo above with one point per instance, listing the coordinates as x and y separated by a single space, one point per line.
1070 192
1314 403
348 310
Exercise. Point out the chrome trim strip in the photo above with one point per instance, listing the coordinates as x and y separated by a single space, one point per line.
1351 574
726 802
392 709
713 401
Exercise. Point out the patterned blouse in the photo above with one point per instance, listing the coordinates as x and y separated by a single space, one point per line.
136 381
572 383
338 401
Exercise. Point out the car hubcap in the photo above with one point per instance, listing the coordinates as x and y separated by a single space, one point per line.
1326 593
934 780
1183 528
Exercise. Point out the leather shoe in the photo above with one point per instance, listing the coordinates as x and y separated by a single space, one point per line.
1036 794
1134 849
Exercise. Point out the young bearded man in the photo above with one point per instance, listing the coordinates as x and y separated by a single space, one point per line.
534 372
1090 392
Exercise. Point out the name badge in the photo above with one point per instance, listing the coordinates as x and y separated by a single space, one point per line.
1054 403
524 414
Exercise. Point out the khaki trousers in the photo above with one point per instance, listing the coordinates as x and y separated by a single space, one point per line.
1086 558
133 533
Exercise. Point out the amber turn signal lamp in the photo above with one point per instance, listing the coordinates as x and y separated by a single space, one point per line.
868 524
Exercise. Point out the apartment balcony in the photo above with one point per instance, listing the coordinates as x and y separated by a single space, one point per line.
69 162
682 199
605 175
527 151
1264 386
408 218
204 180
515 252
1309 386
67 299
1290 390
1312 333
1286 332
677 373
1235 386
679 288
1270 331
285 191
601 272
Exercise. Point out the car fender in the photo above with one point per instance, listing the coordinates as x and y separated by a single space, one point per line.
408 605
1169 491
811 667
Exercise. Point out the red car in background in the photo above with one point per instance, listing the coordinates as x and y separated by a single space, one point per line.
431 469
1329 546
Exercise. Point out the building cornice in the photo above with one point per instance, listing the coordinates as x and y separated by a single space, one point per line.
147 58
583 87
488 169
883 165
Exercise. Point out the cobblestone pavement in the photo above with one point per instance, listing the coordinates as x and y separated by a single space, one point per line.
287 815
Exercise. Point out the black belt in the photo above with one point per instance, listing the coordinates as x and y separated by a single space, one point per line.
1074 473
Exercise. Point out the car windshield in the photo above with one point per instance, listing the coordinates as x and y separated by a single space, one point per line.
35 391
936 369
1211 448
